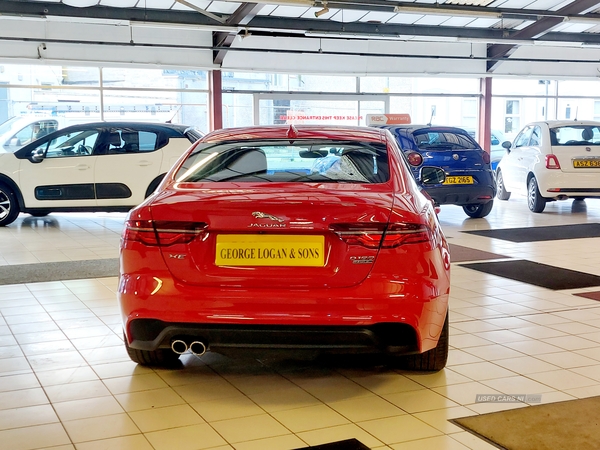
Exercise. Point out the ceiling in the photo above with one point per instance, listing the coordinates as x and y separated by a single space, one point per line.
550 38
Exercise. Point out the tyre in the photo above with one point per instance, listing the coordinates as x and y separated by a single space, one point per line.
40 213
579 199
160 357
501 193
9 207
432 360
535 201
478 210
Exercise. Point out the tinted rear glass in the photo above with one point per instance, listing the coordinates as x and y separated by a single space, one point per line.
575 135
282 161
443 140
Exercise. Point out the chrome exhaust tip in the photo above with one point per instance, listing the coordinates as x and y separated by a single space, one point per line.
198 348
179 346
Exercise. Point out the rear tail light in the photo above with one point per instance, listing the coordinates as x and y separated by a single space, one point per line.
414 159
486 157
162 233
552 162
382 235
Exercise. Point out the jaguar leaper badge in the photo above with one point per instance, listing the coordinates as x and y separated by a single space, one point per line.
262 215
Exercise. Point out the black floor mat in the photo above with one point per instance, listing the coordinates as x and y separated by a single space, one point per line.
542 275
458 253
535 234
57 271
348 444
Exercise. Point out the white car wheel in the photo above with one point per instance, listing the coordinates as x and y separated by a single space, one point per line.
535 201
9 208
501 193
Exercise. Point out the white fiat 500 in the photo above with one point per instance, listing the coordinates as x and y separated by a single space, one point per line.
552 160
107 166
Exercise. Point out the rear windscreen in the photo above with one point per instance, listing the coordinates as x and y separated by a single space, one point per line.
575 135
443 140
282 161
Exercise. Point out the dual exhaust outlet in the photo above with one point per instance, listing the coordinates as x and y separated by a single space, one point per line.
196 348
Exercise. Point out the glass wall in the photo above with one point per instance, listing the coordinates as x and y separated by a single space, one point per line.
85 94
346 100
73 94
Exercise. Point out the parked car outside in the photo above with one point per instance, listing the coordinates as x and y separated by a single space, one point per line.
469 179
19 131
249 244
497 151
90 167
552 160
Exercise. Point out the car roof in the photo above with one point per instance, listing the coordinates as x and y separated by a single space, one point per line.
297 132
130 124
415 127
562 123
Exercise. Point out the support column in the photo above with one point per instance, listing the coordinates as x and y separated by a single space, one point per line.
215 100
485 114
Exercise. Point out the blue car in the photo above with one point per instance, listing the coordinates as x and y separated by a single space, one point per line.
470 181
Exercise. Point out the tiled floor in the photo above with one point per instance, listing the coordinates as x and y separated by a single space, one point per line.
67 383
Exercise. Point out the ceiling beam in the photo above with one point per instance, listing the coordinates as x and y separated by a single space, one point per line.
538 29
241 16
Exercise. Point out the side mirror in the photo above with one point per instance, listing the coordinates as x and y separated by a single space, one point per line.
495 141
37 156
14 142
507 145
432 175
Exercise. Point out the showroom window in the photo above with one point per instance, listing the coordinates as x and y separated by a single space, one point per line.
597 110
512 116
72 95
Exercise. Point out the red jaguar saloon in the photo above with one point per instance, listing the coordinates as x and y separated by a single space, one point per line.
295 238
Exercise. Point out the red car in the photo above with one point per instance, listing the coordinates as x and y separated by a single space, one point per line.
295 238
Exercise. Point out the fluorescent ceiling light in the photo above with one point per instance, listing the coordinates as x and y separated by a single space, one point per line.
445 11
379 37
80 3
179 26
286 2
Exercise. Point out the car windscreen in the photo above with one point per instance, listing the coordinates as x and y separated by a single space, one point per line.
443 140
575 135
285 161
6 126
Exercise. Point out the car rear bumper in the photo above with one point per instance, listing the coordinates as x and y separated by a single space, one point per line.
150 334
463 194
558 184
381 316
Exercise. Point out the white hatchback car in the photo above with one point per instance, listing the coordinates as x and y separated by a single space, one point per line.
90 167
552 160
17 132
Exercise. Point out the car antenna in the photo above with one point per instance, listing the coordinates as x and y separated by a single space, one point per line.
432 114
173 116
576 112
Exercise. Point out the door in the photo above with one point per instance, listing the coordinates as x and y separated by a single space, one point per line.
514 164
64 175
127 162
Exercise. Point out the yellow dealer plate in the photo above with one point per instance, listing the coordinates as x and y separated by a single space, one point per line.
269 250
586 163
459 180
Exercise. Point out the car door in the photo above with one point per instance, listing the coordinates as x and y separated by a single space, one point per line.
532 154
128 160
60 171
514 171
